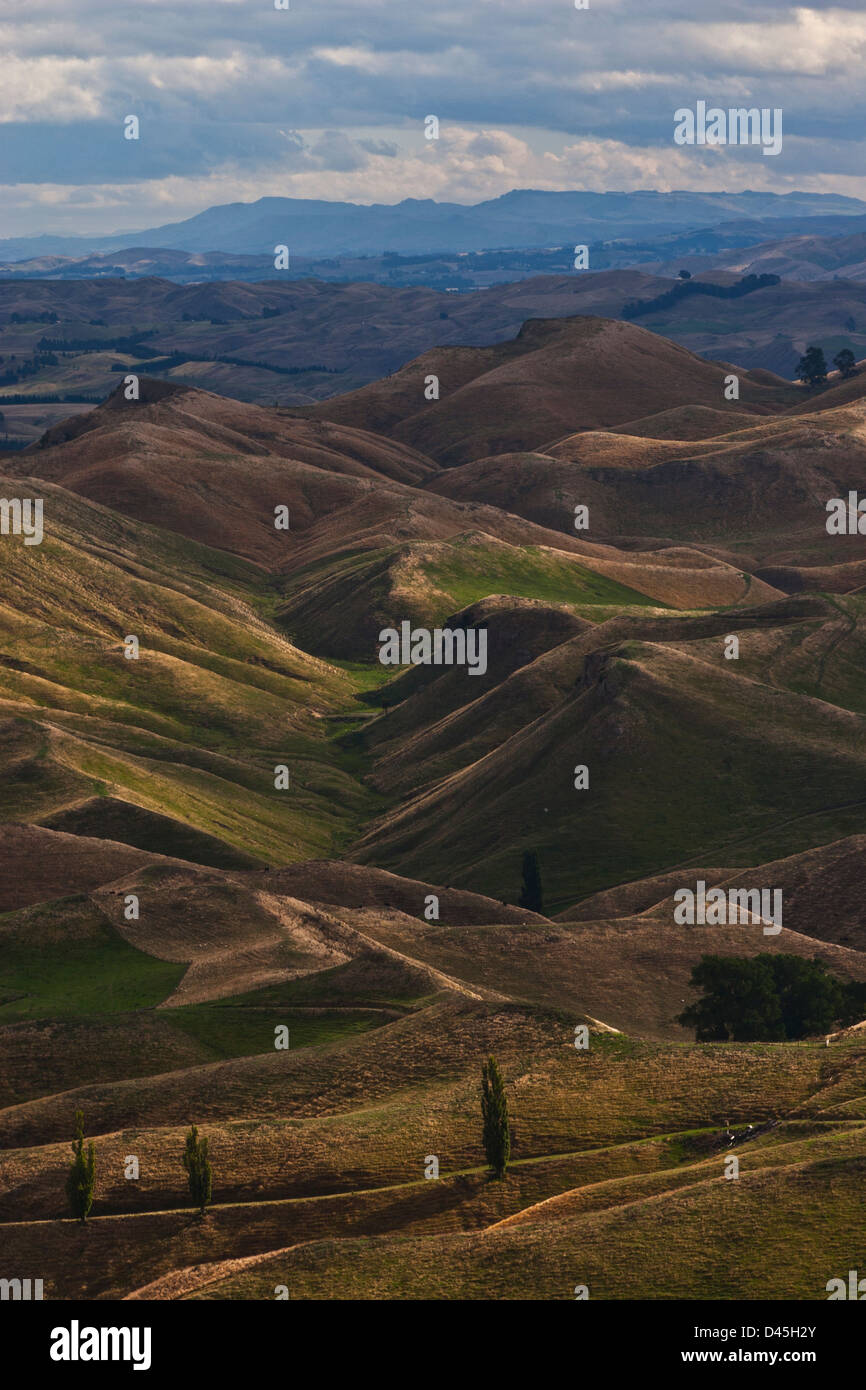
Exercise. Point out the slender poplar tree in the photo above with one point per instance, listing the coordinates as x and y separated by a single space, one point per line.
199 1172
81 1182
494 1115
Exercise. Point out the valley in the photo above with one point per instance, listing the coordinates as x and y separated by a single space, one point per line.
255 829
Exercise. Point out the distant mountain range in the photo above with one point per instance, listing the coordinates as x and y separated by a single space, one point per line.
521 218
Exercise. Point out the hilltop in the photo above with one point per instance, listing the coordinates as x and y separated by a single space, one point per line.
757 492
551 380
367 541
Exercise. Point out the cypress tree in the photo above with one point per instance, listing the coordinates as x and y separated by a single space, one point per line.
195 1161
81 1182
494 1115
531 895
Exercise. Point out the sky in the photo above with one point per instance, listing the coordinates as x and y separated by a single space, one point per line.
237 100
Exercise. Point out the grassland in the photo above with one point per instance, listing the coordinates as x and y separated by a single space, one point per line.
612 1148
470 573
191 730
64 960
258 909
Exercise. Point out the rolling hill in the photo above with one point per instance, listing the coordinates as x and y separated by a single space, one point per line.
367 543
299 342
313 969
756 495
550 381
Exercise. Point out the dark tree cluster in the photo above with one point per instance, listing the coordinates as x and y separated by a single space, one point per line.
686 287
770 998
812 367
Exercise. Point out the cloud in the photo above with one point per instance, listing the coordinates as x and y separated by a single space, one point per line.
807 43
337 153
50 87
541 95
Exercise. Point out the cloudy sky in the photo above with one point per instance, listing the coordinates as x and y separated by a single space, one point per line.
237 100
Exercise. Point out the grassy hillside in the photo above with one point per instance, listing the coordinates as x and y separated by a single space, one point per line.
367 914
653 717
723 1248
174 751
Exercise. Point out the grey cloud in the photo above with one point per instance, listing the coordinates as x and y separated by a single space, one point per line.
334 150
386 148
218 84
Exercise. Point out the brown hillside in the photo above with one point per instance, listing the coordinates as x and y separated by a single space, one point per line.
215 469
552 379
766 485
822 890
649 719
354 885
37 864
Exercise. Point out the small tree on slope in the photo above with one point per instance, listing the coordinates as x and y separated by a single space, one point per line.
81 1182
195 1161
846 362
494 1115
